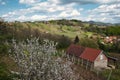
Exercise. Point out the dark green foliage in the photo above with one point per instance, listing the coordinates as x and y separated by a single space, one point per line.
113 30
4 48
76 40
96 29
86 42
115 47
63 42
4 73
4 36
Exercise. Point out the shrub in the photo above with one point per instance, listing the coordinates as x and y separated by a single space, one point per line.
63 42
4 73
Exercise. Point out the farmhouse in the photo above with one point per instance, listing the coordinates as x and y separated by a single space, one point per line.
88 56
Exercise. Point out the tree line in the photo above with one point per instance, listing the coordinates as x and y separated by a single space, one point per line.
109 30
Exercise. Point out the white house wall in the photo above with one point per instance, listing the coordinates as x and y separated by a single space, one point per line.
101 61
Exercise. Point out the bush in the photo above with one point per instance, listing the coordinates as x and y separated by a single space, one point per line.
4 48
86 42
4 73
63 42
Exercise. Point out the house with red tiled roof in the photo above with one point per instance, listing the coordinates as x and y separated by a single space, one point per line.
110 39
88 56
75 50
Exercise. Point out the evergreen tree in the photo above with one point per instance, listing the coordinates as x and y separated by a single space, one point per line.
76 40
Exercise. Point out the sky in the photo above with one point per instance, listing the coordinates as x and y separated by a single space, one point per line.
107 11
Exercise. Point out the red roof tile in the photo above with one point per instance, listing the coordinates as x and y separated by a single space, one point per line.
90 54
75 50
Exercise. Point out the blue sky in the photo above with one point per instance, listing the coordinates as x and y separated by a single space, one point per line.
35 10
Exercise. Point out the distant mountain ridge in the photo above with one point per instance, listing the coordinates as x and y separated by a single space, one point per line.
72 21
100 23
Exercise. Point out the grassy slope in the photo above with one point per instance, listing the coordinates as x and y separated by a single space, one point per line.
70 31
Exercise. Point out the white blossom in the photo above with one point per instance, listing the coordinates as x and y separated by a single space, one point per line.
37 62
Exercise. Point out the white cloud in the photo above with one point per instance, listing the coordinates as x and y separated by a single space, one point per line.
38 17
54 1
56 8
2 2
46 8
9 14
22 18
82 2
30 18
108 1
75 13
64 14
106 13
69 13
27 1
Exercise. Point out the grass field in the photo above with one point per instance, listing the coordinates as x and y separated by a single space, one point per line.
70 31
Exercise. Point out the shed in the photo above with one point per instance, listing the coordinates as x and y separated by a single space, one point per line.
94 56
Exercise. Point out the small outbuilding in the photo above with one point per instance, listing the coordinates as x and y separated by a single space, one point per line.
88 56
